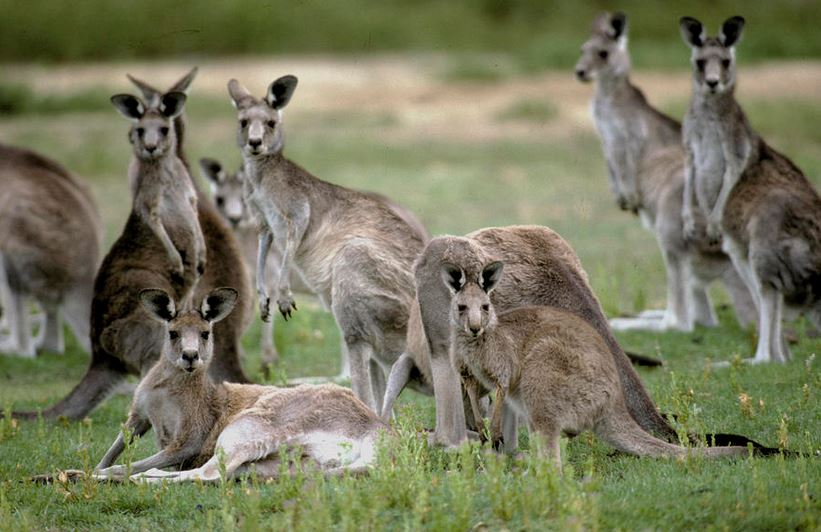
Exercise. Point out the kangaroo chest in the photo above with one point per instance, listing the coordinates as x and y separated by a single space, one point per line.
165 413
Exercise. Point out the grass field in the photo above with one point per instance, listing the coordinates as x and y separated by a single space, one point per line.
462 154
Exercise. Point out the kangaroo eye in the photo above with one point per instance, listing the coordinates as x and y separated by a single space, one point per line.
163 131
461 308
140 132
243 123
700 64
205 334
485 307
173 335
725 63
603 54
271 124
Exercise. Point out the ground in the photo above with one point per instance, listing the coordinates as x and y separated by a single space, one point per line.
462 153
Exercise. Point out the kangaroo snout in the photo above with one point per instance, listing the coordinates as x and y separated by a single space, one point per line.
255 143
191 357
712 83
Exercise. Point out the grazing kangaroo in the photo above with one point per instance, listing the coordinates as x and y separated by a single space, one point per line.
354 252
124 339
199 422
757 203
227 191
549 366
50 239
645 162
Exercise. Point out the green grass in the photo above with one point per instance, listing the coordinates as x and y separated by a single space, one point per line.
455 186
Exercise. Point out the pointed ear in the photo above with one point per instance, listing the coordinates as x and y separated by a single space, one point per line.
218 304
158 304
692 31
453 277
151 95
618 25
239 94
212 169
491 275
731 31
184 83
129 106
172 104
280 91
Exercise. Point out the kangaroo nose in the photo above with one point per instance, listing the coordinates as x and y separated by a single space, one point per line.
190 356
150 149
712 83
254 143
234 220
475 329
580 73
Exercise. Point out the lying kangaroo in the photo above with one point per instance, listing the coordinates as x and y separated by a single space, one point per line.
542 270
43 207
199 422
550 366
645 162
758 204
354 252
124 339
227 191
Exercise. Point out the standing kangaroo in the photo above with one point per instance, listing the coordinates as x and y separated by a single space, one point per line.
124 339
198 422
757 203
645 162
549 366
227 192
354 252
50 239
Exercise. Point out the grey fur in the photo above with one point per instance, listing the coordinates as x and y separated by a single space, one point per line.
645 163
353 251
757 203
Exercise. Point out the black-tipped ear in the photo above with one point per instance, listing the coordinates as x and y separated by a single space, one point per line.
731 31
158 304
280 91
618 24
692 31
212 169
172 104
129 106
218 304
491 275
453 277
184 83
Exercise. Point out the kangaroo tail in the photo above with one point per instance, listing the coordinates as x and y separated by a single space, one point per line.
100 379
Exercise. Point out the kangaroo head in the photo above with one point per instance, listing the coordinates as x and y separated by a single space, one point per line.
604 54
189 342
712 58
152 132
227 190
260 121
471 312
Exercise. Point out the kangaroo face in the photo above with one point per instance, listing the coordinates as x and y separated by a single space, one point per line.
471 311
260 121
151 134
189 342
604 54
227 190
712 58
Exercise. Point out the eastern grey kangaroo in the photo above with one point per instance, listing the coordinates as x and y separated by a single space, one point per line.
757 203
645 162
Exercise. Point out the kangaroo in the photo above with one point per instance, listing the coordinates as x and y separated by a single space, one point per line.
227 192
43 208
198 422
124 340
645 162
550 366
354 252
757 203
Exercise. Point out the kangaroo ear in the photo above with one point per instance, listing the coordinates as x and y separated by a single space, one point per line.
618 25
453 277
158 304
280 91
184 83
129 106
692 31
212 169
172 104
240 96
218 304
491 275
731 31
151 94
